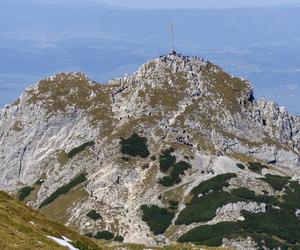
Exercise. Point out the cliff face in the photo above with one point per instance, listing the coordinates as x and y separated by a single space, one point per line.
68 125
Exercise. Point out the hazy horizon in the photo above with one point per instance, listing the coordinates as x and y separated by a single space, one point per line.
179 4
167 4
39 38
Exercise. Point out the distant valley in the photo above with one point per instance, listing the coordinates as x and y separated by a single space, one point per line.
258 44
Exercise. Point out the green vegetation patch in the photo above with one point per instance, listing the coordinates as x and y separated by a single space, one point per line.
211 235
177 170
208 196
256 167
270 200
166 160
173 204
104 235
167 163
81 246
204 208
157 218
244 193
153 158
272 229
214 184
119 238
79 149
64 189
135 146
94 215
166 181
276 181
240 166
25 192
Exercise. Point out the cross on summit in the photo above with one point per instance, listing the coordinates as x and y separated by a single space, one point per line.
172 29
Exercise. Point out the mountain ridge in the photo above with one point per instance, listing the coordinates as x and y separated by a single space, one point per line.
194 121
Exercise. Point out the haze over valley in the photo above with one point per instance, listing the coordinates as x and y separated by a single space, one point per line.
104 41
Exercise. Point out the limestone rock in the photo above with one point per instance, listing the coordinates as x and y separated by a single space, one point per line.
208 116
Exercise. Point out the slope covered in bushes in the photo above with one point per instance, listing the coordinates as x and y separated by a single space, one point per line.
279 226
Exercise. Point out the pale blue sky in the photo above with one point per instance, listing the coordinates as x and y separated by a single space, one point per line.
167 4
195 3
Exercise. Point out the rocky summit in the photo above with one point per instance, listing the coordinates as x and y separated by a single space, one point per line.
180 151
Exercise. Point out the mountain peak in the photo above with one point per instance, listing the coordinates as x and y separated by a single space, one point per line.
179 62
192 78
139 146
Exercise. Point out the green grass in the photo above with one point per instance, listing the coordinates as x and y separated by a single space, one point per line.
256 167
81 246
157 218
277 182
25 192
94 215
135 146
17 231
79 149
64 189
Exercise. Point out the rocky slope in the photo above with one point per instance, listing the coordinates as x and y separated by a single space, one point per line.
79 146
24 228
